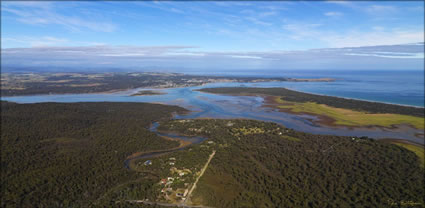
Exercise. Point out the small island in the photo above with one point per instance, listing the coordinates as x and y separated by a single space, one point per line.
148 92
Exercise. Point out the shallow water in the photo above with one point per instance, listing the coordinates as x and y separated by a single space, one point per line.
205 105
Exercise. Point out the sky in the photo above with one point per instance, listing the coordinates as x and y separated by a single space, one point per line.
214 34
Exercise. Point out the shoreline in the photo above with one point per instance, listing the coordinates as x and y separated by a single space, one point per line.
323 119
390 140
359 99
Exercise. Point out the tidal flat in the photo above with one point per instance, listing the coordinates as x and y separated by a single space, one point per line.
209 105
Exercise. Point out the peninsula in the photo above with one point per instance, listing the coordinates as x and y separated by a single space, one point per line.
13 84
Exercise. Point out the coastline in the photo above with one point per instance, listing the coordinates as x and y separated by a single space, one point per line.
346 102
390 140
359 99
270 101
347 98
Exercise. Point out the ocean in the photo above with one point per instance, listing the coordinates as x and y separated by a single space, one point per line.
397 87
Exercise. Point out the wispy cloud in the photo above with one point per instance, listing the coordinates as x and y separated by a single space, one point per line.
226 26
301 30
371 38
380 9
161 5
232 4
45 14
246 57
402 56
37 42
390 55
333 14
45 41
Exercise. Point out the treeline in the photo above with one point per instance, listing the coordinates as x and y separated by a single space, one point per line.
271 169
294 96
72 154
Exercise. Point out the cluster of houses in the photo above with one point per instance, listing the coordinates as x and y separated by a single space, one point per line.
167 190
256 130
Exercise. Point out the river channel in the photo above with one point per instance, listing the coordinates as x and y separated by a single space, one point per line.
154 128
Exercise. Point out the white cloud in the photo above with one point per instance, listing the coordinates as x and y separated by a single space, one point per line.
232 4
246 57
123 54
333 14
44 41
380 9
408 56
258 21
300 31
377 37
267 14
185 54
37 42
395 55
46 14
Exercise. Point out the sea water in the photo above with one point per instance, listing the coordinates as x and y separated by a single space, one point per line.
398 87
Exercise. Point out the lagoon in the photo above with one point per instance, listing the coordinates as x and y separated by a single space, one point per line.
205 105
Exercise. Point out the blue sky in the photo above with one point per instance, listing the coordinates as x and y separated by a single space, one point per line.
207 34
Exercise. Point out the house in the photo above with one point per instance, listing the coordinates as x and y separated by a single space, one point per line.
172 158
148 162
163 181
182 173
210 142
171 163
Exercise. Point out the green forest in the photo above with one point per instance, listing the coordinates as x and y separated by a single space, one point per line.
261 164
70 155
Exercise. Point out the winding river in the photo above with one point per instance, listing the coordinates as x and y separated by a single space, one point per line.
154 128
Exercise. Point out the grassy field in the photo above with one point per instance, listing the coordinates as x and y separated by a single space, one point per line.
348 117
418 150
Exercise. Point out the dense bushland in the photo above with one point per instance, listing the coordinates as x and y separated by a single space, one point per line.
261 164
71 154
